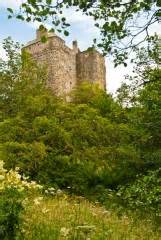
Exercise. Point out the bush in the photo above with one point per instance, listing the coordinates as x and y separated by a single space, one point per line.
10 209
13 191
143 195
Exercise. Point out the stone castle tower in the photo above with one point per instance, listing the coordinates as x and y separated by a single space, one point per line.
67 67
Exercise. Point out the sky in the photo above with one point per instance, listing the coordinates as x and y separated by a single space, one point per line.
82 29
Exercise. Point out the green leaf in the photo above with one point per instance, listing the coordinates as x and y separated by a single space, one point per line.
66 33
97 25
94 40
43 39
38 19
63 19
28 19
41 27
159 3
49 1
158 14
52 30
10 10
20 17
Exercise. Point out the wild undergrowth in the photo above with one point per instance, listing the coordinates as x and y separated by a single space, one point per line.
63 217
30 211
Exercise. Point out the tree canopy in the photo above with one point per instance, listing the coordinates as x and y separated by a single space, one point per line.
90 142
123 24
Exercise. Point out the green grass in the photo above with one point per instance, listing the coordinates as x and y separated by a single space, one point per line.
77 219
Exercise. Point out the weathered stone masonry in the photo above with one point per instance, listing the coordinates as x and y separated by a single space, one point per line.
67 67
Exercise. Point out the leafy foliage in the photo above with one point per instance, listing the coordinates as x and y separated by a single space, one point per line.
144 194
14 189
143 99
87 145
79 144
120 22
10 209
69 217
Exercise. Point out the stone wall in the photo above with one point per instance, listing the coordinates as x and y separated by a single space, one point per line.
91 67
60 61
67 67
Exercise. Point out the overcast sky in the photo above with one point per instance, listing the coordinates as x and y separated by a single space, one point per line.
82 29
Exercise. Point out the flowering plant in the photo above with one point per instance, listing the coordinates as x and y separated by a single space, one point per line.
13 193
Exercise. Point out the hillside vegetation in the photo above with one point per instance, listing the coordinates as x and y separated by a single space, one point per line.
78 219
94 146
30 212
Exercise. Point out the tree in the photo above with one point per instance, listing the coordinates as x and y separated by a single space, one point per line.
123 24
21 80
146 65
143 99
81 144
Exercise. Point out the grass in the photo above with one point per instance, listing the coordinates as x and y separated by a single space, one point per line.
60 218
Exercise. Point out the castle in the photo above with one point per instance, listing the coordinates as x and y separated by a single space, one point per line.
67 67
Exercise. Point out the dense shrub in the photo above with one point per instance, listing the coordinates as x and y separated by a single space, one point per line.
10 210
78 144
83 144
143 195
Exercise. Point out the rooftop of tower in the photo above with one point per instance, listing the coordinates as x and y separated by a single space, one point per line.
44 32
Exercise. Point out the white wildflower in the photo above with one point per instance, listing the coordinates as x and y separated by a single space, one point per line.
45 210
17 169
2 177
64 231
106 212
33 183
38 200
1 165
51 189
59 192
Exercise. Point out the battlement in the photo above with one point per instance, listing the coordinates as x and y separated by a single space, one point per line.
67 67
